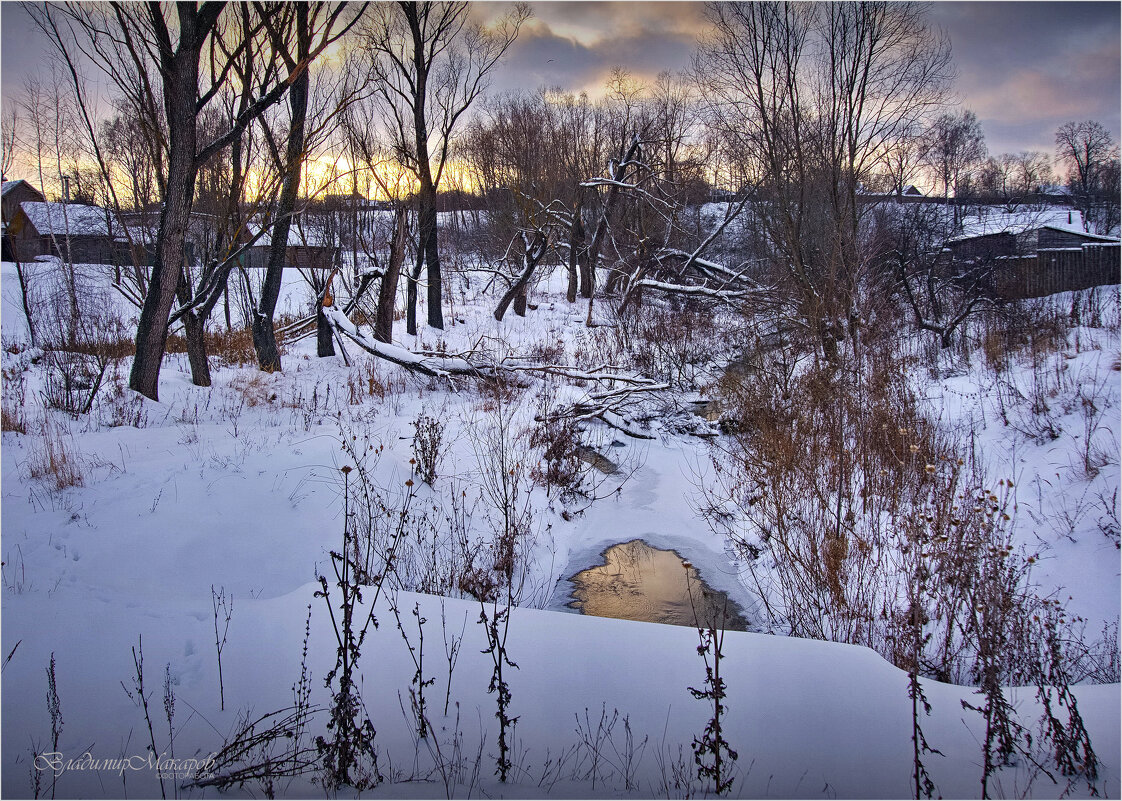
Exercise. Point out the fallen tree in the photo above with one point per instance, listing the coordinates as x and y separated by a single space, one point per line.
616 391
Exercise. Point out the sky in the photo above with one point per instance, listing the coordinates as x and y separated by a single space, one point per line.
1023 67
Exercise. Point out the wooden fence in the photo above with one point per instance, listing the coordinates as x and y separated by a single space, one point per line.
1049 271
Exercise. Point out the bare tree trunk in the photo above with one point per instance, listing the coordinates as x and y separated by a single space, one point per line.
387 292
427 249
325 344
194 327
411 280
577 262
180 91
264 337
531 254
23 294
427 235
618 172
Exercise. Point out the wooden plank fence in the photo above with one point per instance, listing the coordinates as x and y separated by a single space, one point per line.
1053 270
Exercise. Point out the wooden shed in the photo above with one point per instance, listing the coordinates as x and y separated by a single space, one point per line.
16 192
71 231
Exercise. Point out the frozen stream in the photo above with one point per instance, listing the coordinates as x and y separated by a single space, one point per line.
639 582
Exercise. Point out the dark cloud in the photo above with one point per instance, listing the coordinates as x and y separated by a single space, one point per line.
575 45
1026 68
1023 67
22 48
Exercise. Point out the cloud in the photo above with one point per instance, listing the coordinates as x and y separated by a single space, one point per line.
1025 68
582 60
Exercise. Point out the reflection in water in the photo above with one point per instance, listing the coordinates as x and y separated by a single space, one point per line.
638 582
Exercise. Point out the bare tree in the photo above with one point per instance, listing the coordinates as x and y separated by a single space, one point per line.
154 55
50 138
1013 178
941 293
429 65
956 148
308 18
7 143
903 159
1031 170
809 98
1091 155
1084 147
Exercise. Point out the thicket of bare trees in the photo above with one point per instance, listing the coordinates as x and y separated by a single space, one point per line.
427 65
808 101
169 66
222 116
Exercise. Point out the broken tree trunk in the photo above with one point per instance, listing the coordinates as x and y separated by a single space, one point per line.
619 171
531 254
387 292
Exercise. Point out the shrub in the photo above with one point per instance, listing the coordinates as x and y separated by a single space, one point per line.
428 446
12 413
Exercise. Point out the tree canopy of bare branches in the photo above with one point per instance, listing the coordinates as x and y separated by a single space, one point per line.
808 100
428 65
169 63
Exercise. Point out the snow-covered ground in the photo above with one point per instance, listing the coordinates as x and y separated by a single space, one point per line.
237 489
1062 458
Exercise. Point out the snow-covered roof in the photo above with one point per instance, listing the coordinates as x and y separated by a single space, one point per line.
62 218
992 220
298 236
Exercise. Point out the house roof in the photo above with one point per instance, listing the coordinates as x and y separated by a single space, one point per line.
8 186
299 235
995 222
991 220
57 218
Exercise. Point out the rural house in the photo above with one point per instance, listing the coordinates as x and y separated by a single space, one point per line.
71 231
14 193
1038 253
309 246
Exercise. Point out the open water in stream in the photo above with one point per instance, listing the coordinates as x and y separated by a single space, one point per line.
639 582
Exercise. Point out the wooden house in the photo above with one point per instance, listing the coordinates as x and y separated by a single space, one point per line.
14 193
1038 256
308 247
70 231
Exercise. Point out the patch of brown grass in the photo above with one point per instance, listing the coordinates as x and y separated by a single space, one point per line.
254 389
53 458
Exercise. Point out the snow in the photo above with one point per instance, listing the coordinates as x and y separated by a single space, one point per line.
1063 507
62 218
238 488
995 220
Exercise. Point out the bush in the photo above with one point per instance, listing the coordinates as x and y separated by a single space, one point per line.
12 414
428 446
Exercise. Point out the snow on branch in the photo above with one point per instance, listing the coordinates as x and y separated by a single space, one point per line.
595 182
606 404
701 291
426 365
